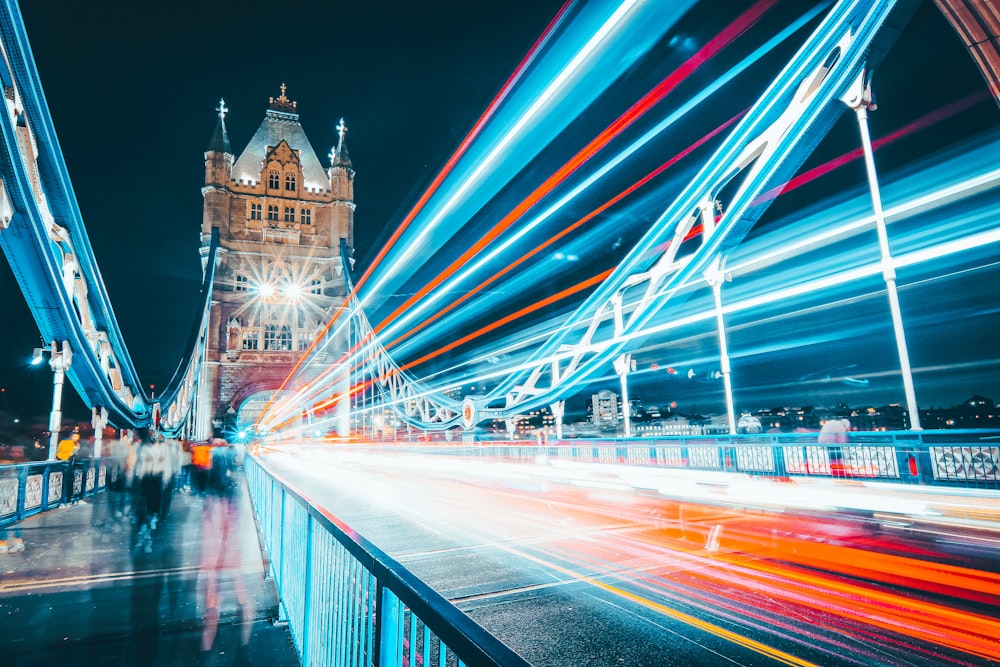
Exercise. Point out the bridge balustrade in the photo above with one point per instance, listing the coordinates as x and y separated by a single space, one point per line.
30 488
969 459
347 602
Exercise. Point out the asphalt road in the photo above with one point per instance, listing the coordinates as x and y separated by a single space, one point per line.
573 565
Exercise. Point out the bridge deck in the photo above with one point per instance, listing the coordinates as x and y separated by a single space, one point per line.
81 593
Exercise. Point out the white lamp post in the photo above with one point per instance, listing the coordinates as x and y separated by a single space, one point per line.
60 359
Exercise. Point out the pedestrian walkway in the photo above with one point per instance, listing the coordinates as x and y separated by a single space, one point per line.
82 592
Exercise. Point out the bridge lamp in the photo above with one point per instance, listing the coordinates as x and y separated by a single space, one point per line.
266 290
292 291
60 358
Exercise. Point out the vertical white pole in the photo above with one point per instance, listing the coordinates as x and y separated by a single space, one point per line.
59 359
558 410
860 100
55 417
715 277
622 367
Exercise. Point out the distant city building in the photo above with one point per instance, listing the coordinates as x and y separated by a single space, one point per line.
605 408
529 426
975 412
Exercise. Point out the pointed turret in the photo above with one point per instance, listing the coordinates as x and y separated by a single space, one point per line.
220 138
342 189
219 154
340 156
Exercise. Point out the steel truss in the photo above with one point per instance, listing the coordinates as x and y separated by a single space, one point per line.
725 199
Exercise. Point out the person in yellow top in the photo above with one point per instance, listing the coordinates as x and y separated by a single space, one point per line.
68 447
66 451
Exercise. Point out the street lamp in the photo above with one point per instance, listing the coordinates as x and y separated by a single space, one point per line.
60 359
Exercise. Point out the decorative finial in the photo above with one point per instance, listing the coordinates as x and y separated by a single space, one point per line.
282 103
222 109
341 130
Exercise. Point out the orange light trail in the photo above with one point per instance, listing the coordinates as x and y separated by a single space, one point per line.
562 233
743 23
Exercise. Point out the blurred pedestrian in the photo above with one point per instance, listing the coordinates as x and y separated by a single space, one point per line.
37 451
151 468
119 486
220 554
834 431
201 464
66 451
173 469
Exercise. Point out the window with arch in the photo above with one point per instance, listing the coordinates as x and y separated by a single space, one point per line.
242 283
307 216
289 214
272 180
304 340
272 212
316 287
290 182
256 211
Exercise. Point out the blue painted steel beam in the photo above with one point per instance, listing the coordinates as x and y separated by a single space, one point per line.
36 260
873 26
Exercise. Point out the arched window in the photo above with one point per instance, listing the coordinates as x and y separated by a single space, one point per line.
272 212
289 214
307 216
255 211
285 341
290 182
272 180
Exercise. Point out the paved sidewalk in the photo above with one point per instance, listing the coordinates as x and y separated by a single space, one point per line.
82 593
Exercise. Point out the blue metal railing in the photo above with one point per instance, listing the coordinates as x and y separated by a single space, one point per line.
347 602
30 488
967 458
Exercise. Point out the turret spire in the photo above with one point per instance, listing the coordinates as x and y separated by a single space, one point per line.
220 138
339 154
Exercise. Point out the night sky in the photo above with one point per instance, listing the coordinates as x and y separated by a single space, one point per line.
133 87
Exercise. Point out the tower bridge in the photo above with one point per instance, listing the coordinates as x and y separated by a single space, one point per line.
501 277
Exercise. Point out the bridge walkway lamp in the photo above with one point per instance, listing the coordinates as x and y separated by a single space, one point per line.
60 358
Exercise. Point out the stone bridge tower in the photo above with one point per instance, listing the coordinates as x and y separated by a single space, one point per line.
282 219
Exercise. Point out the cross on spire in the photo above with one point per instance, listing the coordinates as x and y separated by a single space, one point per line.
341 130
222 109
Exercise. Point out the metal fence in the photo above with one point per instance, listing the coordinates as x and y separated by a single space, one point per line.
969 459
347 602
30 488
